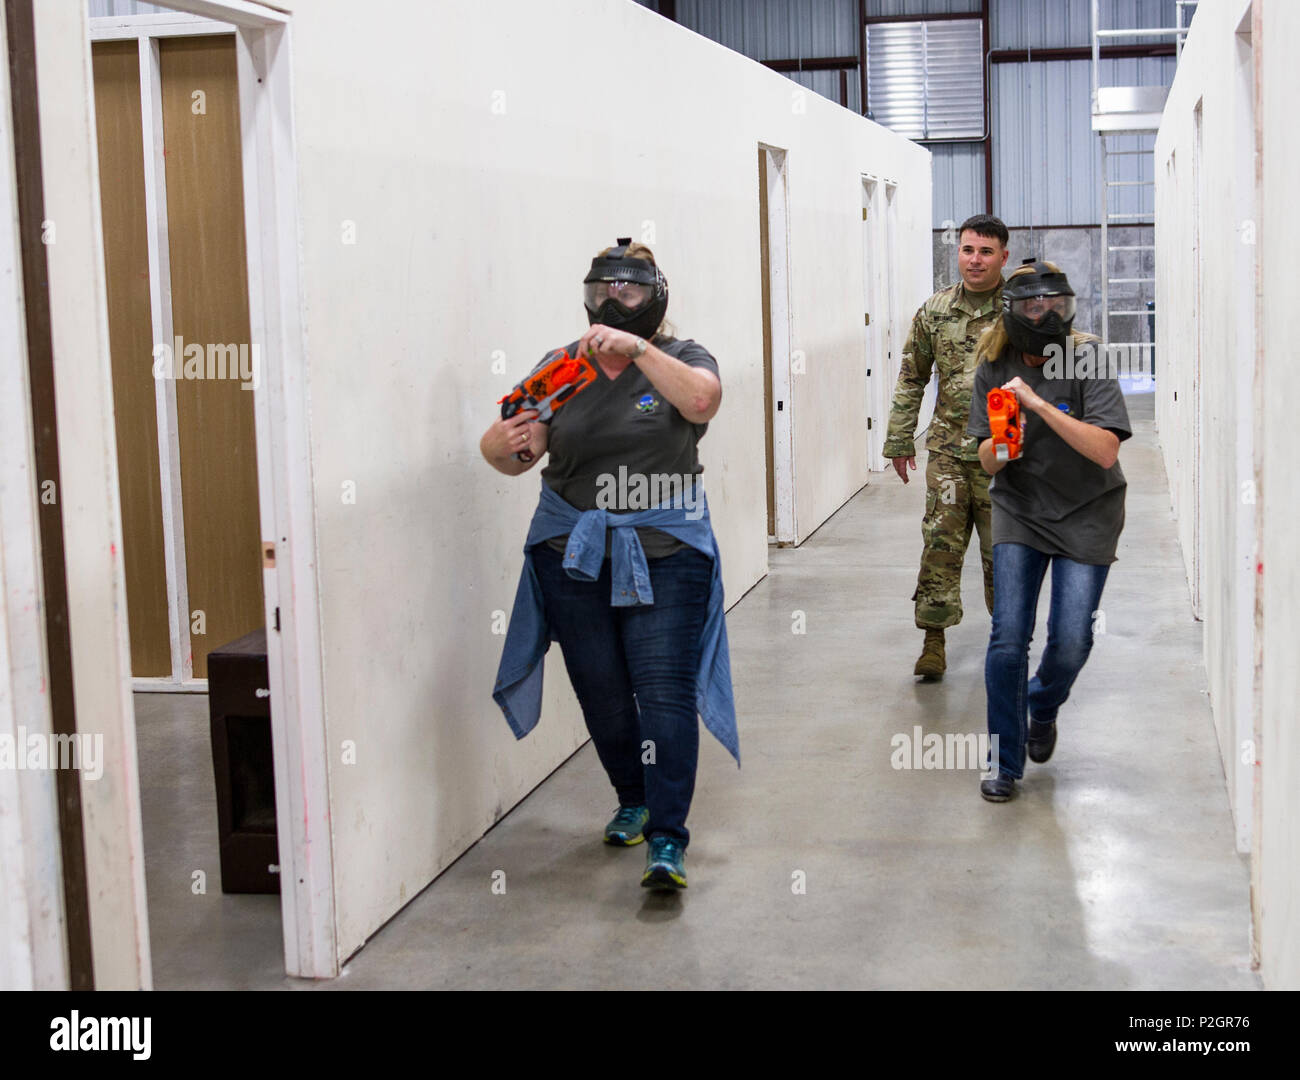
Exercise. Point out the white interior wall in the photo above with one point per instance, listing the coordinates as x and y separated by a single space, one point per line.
88 496
828 295
1251 567
1278 830
1222 327
482 165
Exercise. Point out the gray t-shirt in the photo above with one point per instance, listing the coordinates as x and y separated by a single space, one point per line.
1052 498
616 432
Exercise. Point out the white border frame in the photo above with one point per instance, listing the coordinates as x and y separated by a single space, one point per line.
285 493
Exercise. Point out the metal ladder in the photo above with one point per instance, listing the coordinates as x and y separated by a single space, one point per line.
1180 6
1109 250
1122 112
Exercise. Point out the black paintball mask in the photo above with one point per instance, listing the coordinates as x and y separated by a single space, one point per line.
624 293
1038 309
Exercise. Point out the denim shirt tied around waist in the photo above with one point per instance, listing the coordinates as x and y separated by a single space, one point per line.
519 676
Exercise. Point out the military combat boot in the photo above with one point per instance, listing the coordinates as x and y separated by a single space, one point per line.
932 663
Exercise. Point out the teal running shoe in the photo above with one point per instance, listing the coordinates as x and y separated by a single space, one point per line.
624 828
665 864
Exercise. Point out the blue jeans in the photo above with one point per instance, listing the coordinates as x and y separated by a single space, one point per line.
1018 572
634 670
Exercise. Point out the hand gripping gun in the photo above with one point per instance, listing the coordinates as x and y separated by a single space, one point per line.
1006 423
558 380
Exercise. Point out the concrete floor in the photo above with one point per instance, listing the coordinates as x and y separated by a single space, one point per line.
1114 868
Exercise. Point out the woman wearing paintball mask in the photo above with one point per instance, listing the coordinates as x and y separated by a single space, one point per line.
1059 502
620 564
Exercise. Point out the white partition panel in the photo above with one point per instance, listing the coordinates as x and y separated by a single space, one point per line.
92 526
1226 234
33 948
459 166
1277 844
1206 244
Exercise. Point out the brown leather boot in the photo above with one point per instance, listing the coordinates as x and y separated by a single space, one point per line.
932 662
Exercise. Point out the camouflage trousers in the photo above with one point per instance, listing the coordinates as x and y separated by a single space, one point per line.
956 501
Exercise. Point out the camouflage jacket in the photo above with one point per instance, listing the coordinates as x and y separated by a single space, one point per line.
944 333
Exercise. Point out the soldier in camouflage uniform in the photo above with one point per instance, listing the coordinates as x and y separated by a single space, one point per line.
944 333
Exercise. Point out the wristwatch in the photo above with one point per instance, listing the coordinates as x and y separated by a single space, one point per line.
640 349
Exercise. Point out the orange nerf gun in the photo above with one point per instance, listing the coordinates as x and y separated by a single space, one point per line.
558 380
1006 424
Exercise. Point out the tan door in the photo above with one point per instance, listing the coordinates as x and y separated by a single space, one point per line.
130 332
219 540
205 226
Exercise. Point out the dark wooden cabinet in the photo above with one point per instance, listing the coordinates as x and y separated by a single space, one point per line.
239 705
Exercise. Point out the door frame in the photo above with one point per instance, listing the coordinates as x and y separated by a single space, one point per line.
880 300
286 500
147 31
875 319
893 340
776 179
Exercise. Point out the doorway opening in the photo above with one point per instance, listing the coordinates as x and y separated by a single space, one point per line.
874 318
891 343
171 185
774 247
879 270
199 209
